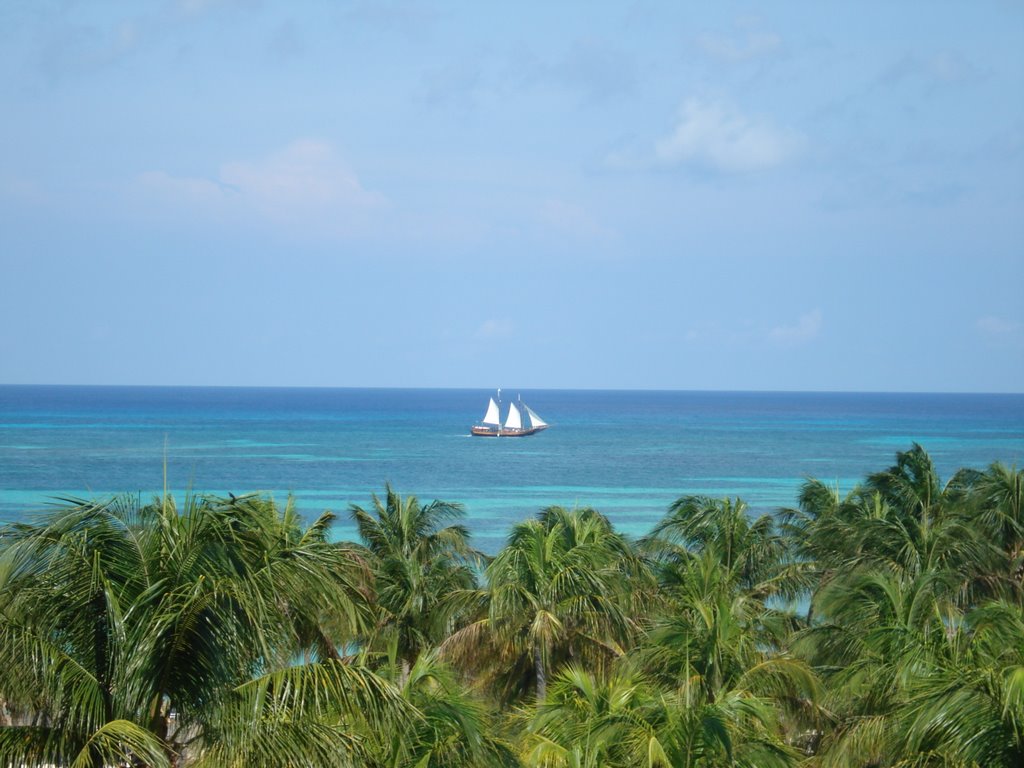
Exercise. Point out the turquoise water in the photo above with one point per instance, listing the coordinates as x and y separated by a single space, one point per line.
629 454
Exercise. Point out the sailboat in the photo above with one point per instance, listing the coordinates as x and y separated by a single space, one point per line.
521 420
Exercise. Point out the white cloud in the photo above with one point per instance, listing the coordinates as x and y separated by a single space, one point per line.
196 7
730 49
304 174
597 70
944 68
712 135
412 19
572 219
21 190
304 186
194 191
494 328
997 326
806 328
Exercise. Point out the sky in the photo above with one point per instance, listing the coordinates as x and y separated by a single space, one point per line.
622 195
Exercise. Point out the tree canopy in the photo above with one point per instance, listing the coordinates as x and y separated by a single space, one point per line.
879 625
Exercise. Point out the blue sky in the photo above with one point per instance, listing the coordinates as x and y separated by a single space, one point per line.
794 196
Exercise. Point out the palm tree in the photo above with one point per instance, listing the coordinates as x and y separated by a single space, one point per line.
447 725
588 722
912 680
722 631
823 532
126 630
622 720
997 495
967 703
902 519
912 484
309 715
750 551
910 566
421 566
560 589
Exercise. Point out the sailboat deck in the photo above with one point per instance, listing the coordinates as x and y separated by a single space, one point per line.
505 431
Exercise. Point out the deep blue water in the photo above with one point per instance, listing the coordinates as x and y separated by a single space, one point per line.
629 454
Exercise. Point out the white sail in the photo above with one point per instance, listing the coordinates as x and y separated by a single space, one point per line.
492 417
514 420
535 420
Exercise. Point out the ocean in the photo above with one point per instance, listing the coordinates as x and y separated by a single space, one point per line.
628 454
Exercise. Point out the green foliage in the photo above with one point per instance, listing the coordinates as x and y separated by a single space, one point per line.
419 568
130 627
228 632
562 589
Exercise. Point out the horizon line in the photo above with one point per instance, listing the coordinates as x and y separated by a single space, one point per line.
695 390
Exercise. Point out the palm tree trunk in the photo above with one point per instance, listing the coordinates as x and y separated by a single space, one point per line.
403 674
542 679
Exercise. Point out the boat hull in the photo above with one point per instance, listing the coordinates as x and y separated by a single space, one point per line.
504 431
